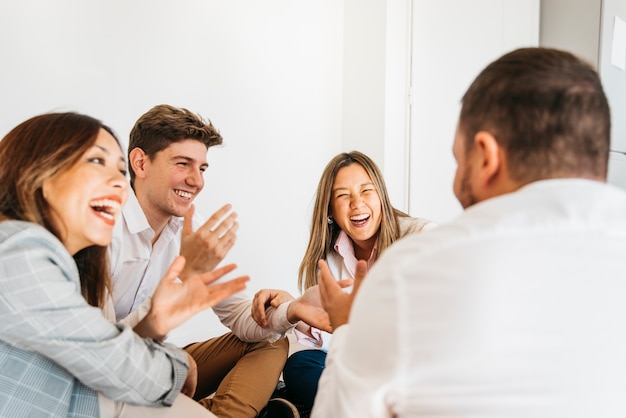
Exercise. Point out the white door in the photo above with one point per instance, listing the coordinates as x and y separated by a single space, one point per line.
452 40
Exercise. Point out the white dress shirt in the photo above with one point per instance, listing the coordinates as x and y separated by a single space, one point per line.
137 267
514 309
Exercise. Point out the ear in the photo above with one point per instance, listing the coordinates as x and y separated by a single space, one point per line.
137 159
489 159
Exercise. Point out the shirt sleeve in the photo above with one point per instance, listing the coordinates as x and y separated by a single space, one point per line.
314 341
42 310
235 313
359 378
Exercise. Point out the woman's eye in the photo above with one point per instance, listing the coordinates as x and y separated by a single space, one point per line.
97 160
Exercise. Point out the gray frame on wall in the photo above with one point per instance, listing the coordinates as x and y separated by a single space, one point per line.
613 78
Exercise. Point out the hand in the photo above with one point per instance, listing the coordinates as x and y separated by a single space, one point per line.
334 300
175 301
189 387
265 298
308 308
205 248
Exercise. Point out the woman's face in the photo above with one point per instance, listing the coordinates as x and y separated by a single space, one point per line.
355 205
86 199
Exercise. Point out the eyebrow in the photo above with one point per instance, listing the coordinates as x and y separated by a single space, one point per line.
107 152
184 157
347 188
103 148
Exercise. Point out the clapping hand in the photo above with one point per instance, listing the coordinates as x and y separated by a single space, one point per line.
206 247
335 301
175 301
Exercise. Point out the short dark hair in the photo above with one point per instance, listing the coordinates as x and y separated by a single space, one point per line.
547 110
163 125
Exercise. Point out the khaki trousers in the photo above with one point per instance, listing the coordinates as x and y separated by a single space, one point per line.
241 375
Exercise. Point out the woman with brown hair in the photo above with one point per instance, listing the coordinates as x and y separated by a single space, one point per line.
353 219
62 186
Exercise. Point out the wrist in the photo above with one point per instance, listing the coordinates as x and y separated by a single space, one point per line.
292 316
148 328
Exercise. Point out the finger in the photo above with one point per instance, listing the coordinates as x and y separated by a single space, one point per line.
276 301
221 291
228 238
213 221
259 316
323 280
359 276
211 276
188 221
280 297
327 277
225 225
345 283
258 308
175 268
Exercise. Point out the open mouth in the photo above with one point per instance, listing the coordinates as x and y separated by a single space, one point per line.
106 208
360 220
183 194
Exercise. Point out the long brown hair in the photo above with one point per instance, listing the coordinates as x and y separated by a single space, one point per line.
36 150
323 235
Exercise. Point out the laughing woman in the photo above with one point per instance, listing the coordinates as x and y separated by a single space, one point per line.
353 219
62 185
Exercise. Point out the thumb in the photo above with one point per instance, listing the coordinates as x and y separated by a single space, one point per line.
187 221
359 276
175 268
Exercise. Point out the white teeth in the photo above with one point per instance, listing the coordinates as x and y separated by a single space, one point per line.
107 215
361 217
109 206
184 194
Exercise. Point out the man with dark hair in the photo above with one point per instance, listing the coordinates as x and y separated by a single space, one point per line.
167 159
514 309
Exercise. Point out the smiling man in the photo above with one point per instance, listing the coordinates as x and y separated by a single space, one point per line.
167 160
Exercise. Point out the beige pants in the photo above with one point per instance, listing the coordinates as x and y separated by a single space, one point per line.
241 375
182 407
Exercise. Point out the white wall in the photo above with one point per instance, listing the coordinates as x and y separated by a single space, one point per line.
267 73
288 83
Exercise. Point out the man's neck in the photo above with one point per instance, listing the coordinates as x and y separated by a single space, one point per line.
156 219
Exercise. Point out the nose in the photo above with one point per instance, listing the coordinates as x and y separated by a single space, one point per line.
195 178
356 201
119 180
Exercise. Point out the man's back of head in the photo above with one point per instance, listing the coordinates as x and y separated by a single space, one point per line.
548 112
